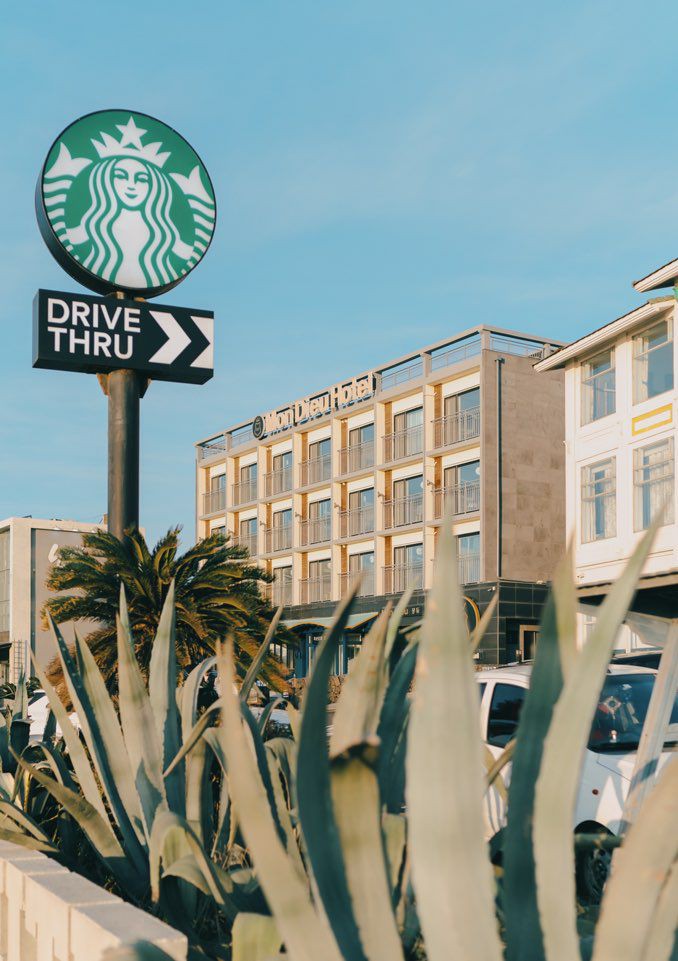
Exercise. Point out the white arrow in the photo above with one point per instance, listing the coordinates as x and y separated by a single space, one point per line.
206 327
177 338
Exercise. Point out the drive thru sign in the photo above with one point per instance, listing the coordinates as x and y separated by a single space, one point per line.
98 334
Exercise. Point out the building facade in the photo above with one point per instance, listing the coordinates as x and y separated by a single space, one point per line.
620 396
357 479
28 549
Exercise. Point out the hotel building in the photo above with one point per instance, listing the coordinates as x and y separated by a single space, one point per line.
356 479
620 403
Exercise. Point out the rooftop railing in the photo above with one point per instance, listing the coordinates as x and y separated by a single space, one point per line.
409 370
213 448
455 353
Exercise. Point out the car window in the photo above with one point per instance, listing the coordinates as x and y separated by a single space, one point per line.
502 724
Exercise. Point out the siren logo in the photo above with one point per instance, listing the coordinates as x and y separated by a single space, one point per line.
128 202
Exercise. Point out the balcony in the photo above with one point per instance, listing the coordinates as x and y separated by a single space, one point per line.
214 502
278 481
463 499
316 470
316 589
355 522
244 493
355 458
469 568
366 588
456 428
402 577
404 443
280 592
278 539
250 541
315 530
402 511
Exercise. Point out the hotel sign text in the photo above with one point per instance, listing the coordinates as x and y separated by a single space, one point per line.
334 398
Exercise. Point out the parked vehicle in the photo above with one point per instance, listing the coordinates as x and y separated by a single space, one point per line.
608 760
648 657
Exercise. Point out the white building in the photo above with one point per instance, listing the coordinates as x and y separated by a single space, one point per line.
27 551
620 425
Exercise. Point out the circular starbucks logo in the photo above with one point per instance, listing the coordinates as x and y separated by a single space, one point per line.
258 427
125 203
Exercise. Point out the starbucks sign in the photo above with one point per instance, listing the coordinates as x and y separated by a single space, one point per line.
124 203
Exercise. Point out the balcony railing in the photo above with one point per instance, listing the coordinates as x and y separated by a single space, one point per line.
214 501
314 589
402 511
463 499
244 492
250 541
278 481
278 538
366 588
469 568
316 470
217 447
456 428
280 592
357 457
358 521
402 577
404 443
315 530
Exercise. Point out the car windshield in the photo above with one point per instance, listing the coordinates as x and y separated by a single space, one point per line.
621 711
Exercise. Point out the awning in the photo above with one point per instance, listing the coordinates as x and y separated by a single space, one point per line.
355 620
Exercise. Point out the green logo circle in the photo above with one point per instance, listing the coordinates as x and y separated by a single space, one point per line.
125 203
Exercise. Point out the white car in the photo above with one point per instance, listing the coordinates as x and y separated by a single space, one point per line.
608 759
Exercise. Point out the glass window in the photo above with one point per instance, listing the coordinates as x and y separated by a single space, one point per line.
598 387
469 558
409 487
248 474
319 569
361 499
505 708
361 562
218 483
321 448
248 528
317 509
361 435
653 361
410 555
598 501
282 461
408 419
283 518
653 483
621 712
467 400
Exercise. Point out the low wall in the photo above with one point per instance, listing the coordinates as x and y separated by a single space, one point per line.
48 913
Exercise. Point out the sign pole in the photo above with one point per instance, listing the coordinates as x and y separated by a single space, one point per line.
123 389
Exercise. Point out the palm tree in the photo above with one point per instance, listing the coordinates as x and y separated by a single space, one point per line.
216 590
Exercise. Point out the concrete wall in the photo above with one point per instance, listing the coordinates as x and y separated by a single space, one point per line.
48 913
533 468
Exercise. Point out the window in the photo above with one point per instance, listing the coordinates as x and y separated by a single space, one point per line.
218 483
598 501
319 521
461 420
360 453
280 535
282 461
318 467
598 387
408 434
411 555
469 558
248 475
321 448
653 483
361 435
408 501
621 712
248 534
462 487
362 564
505 708
360 512
281 588
653 361
319 570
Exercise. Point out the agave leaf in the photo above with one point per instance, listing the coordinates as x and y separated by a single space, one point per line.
255 666
394 827
5 756
101 728
321 836
162 688
19 735
13 813
186 869
395 621
97 830
279 774
199 803
255 938
188 695
357 809
662 941
138 726
139 951
558 781
20 702
524 940
74 746
265 715
205 720
452 877
294 715
497 765
28 841
306 934
392 731
642 870
478 632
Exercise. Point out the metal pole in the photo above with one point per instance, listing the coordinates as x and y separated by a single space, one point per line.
124 393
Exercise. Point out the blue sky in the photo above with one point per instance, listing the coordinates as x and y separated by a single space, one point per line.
387 174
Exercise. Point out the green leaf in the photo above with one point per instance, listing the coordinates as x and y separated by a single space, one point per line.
28 841
255 938
255 666
162 689
558 782
316 811
306 934
452 876
139 951
642 882
188 695
392 731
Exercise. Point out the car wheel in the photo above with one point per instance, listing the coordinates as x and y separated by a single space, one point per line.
592 870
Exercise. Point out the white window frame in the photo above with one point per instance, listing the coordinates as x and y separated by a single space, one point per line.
591 384
642 358
590 499
660 485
